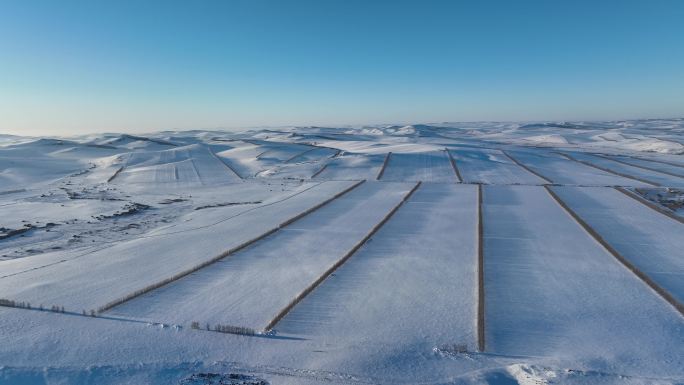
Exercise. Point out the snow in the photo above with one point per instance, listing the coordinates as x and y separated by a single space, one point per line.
351 167
364 308
546 298
88 221
427 167
93 279
655 177
561 170
650 164
490 167
651 241
239 291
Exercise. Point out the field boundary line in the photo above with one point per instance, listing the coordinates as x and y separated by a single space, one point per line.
282 313
300 154
649 204
639 166
625 262
453 165
636 178
509 156
116 173
384 165
319 171
153 140
330 158
659 161
224 163
112 243
480 274
225 254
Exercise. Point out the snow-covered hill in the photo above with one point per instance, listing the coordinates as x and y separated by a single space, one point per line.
440 253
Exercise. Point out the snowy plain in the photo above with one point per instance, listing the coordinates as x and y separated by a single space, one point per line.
446 253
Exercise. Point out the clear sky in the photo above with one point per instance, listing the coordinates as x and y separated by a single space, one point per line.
71 67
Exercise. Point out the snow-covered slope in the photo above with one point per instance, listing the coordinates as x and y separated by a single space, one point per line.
441 253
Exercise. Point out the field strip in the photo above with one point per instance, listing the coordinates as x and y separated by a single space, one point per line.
339 263
453 165
288 160
250 287
480 274
429 167
490 166
615 159
650 204
607 169
650 174
109 244
509 156
224 163
630 266
99 276
241 246
384 164
680 165
544 297
411 287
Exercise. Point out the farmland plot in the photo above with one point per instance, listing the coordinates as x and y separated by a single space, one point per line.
648 239
300 166
564 171
192 164
90 280
252 286
658 166
424 166
254 158
352 167
551 289
636 172
412 288
491 167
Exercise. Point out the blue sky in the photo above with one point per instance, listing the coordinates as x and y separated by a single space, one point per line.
71 67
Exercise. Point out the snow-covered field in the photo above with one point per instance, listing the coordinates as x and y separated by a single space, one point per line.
450 253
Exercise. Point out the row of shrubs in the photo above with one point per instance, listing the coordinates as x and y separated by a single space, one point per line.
27 305
195 325
226 329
